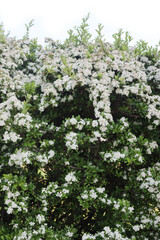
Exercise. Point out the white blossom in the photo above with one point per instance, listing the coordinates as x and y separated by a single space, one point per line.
70 177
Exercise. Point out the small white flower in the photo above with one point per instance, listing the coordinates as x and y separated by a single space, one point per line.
94 123
73 121
136 228
66 163
70 177
10 194
69 234
40 218
9 210
109 201
103 200
150 127
84 196
65 190
14 205
31 223
7 201
95 180
156 122
93 194
51 154
59 194
117 206
131 209
101 190
15 225
51 142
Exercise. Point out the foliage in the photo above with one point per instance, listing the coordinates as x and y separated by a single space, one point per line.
142 49
2 34
119 42
80 146
82 35
28 27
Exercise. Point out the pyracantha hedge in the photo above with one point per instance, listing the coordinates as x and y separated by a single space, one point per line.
79 138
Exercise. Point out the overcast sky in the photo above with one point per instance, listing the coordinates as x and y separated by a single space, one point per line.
52 18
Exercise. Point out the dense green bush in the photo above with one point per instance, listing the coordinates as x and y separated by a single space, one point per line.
79 138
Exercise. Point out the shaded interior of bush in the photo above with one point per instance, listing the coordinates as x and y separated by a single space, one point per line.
134 109
79 106
123 106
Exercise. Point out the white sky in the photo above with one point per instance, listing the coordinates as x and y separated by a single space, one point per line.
52 18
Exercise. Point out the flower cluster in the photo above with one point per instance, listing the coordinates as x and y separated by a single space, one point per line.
71 140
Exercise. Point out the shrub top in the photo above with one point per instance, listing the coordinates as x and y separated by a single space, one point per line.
79 124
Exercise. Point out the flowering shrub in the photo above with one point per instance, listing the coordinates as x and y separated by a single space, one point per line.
80 146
